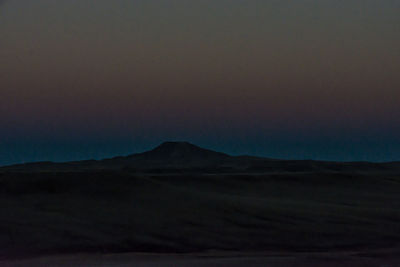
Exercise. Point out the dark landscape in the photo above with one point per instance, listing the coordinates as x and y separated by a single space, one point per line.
180 199
290 109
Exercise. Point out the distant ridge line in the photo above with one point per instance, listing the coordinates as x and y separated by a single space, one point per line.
182 156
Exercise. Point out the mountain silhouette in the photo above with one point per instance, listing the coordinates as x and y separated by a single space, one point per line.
178 157
180 151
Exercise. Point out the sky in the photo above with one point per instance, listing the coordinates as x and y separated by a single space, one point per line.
305 79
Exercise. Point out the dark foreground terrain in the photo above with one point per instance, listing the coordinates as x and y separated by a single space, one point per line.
344 214
370 258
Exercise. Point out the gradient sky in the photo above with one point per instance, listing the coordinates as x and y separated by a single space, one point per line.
288 79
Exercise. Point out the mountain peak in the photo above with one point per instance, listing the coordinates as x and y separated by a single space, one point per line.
176 145
182 150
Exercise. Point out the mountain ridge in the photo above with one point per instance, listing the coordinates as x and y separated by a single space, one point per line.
181 149
181 156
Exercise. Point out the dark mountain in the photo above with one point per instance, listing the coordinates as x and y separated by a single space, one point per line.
171 157
167 156
179 152
178 157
